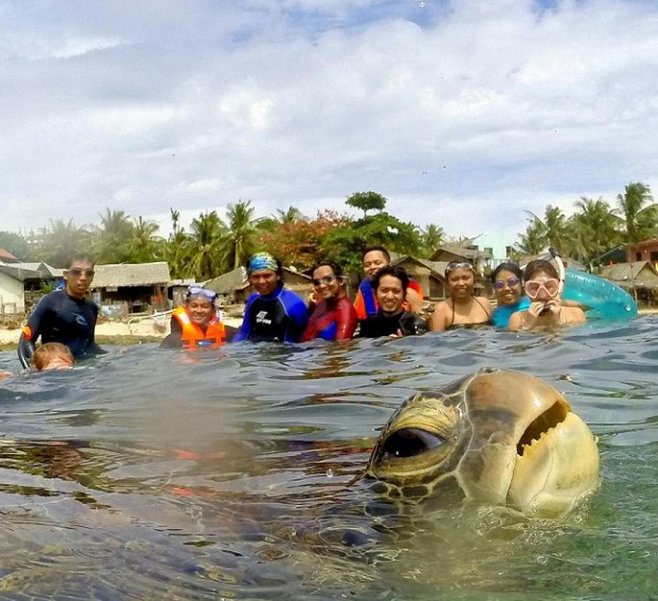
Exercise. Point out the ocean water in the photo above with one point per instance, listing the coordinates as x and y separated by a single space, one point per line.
157 474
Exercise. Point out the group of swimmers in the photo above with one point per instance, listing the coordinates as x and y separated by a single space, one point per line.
388 303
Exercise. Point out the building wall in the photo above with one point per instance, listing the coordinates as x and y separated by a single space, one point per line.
12 298
645 251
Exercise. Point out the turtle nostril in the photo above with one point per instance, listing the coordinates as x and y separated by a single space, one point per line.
409 442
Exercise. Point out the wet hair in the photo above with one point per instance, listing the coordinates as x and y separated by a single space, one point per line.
335 267
380 249
396 272
81 258
47 351
539 265
507 266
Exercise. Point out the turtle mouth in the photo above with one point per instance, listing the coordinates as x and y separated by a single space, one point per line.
550 419
409 442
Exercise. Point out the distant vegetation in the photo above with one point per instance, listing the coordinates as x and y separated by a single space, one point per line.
212 246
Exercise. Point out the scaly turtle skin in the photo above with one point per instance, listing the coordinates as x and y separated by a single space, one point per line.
498 437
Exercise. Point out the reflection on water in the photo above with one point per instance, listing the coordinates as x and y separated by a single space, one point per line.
158 474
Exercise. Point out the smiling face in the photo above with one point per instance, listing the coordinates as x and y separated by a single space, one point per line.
390 294
200 310
326 284
507 287
462 282
372 262
264 281
78 278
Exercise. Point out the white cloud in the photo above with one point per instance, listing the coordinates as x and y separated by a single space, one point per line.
477 109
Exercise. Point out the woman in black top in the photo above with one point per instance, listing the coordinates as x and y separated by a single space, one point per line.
390 286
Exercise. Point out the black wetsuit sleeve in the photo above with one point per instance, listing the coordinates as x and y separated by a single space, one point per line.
26 343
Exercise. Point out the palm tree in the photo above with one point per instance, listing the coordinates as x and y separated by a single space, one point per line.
208 232
113 237
534 240
432 237
178 247
594 228
238 242
145 246
60 240
638 212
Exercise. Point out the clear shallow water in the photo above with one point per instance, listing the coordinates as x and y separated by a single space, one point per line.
157 474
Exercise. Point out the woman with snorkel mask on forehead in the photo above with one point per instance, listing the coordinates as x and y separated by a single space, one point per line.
197 323
463 308
543 288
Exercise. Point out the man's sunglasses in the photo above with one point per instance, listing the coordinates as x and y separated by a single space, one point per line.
532 287
326 280
76 272
509 282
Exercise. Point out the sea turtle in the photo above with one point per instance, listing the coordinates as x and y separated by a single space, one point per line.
499 437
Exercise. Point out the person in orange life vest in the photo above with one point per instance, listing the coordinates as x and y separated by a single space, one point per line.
365 303
332 316
196 323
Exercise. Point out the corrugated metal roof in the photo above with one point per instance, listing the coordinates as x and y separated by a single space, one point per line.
131 274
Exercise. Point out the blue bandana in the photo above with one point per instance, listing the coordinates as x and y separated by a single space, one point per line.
261 261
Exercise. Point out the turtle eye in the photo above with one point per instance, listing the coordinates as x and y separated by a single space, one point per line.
409 442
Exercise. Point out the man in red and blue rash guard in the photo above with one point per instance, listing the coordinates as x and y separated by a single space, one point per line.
365 303
272 313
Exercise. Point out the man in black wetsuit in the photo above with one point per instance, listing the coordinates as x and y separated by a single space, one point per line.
390 286
64 316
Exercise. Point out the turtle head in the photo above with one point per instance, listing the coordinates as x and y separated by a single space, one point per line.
497 436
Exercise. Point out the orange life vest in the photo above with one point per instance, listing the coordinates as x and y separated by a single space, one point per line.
193 337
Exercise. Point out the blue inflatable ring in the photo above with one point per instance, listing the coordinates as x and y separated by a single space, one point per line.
603 299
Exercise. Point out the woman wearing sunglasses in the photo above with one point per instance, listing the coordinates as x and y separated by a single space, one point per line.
196 323
507 284
332 315
542 286
65 316
463 308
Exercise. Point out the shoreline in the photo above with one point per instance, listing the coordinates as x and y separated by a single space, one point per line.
116 332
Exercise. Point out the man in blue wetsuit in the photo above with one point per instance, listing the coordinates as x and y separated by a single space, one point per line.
64 316
272 312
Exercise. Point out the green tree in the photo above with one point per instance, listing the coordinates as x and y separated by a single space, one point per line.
533 241
594 229
239 239
144 245
208 232
113 237
16 245
638 212
60 240
432 237
367 201
348 242
178 248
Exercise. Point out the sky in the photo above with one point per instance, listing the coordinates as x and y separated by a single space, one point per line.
465 113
